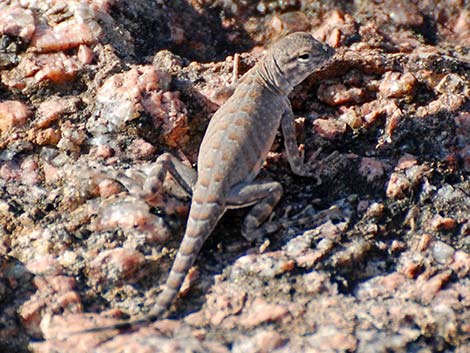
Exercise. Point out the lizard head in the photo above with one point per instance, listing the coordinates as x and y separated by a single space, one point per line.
293 58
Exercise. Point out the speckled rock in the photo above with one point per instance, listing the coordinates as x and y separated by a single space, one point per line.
13 113
372 256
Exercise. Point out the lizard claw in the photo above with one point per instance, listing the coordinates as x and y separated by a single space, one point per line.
315 154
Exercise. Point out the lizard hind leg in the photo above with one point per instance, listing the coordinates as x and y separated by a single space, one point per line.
167 163
264 196
148 183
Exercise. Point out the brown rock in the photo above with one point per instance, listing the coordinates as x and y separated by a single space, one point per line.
332 339
461 264
47 136
102 151
317 282
142 149
31 315
108 187
372 111
462 26
51 173
428 288
292 21
393 281
44 265
375 210
168 327
225 301
424 243
335 28
54 293
9 171
71 137
60 327
13 113
329 128
57 68
63 36
397 85
353 253
309 259
16 21
351 117
25 172
443 223
269 264
169 112
60 284
406 162
398 186
129 214
397 246
70 301
370 168
449 102
124 96
52 109
191 277
85 54
30 171
267 341
115 265
260 312
339 94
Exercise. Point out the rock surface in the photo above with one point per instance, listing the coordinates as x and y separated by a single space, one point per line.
375 258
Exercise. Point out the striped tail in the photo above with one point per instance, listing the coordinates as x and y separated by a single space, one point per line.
202 219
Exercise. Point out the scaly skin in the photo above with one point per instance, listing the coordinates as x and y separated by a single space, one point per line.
236 143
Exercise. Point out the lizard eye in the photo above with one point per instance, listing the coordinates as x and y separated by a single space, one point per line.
303 57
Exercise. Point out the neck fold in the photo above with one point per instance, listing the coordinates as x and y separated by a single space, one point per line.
272 76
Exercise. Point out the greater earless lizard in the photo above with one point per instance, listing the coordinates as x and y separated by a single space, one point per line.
235 145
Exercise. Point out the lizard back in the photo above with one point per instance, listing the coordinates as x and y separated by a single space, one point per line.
238 138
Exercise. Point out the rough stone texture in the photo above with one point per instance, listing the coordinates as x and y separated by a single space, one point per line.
13 113
92 92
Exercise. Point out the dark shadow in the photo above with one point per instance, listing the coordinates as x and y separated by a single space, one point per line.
176 26
16 288
428 30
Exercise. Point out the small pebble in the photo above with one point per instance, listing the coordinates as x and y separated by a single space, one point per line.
442 252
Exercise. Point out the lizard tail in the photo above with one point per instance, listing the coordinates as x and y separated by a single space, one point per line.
201 221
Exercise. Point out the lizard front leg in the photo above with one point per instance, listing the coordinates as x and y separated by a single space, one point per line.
264 195
294 156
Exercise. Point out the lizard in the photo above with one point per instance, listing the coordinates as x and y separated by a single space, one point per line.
233 150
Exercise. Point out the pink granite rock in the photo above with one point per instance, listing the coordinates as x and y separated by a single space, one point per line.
16 21
13 113
116 265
